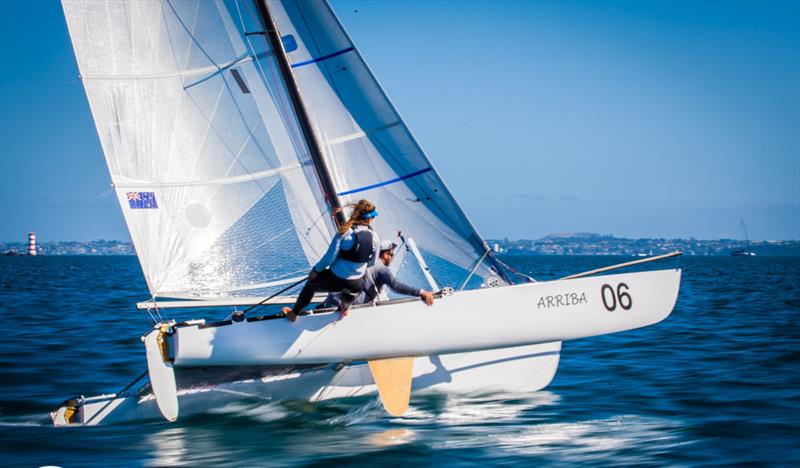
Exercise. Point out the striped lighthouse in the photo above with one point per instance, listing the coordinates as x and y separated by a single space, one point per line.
31 243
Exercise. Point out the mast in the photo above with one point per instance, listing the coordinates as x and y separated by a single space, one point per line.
323 173
746 238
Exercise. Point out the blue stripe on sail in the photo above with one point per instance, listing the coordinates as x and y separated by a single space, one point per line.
387 182
324 57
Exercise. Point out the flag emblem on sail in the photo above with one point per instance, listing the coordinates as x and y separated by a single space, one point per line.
138 200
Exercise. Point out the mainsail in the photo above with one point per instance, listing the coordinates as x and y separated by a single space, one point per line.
207 157
210 170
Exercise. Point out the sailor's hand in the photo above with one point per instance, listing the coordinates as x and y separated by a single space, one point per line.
427 297
313 275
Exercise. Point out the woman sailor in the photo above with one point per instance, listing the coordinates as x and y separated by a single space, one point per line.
342 268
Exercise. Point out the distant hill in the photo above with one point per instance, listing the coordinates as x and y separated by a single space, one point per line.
587 243
574 243
576 235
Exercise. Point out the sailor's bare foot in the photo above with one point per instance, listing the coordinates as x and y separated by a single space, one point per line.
289 314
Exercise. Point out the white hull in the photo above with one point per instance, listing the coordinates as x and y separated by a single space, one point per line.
504 339
466 321
522 369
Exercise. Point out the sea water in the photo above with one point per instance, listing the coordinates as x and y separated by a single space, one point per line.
717 382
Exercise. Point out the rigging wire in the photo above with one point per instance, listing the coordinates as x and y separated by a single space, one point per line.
328 388
474 269
527 278
196 42
152 317
116 395
158 312
270 297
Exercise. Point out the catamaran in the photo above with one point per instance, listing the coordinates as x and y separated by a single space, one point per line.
234 131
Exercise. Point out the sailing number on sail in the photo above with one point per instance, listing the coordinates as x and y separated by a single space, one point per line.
611 298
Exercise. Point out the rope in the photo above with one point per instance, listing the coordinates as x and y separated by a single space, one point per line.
474 269
270 297
158 312
329 386
512 270
116 395
152 317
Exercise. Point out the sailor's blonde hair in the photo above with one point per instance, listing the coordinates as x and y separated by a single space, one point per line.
357 210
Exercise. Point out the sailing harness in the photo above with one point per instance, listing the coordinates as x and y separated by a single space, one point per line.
362 250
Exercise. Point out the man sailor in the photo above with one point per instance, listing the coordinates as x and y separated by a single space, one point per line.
378 277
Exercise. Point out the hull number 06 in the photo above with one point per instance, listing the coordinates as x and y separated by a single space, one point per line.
611 298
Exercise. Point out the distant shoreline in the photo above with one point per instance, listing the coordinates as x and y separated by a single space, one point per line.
555 244
597 244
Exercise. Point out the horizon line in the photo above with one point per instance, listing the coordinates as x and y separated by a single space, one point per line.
505 239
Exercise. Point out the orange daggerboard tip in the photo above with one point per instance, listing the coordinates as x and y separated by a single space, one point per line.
393 378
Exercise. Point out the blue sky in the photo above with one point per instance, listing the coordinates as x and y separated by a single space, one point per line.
637 119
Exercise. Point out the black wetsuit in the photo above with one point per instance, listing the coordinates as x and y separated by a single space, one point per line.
352 253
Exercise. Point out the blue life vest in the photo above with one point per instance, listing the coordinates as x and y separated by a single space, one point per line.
362 250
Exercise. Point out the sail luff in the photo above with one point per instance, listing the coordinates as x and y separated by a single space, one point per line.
317 159
104 144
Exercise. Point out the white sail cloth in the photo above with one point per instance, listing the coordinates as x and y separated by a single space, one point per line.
209 165
210 169
368 148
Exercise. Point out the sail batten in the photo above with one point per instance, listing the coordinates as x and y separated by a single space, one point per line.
324 57
124 183
210 70
361 134
385 182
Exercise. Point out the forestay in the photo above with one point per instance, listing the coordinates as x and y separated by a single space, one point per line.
207 161
369 150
